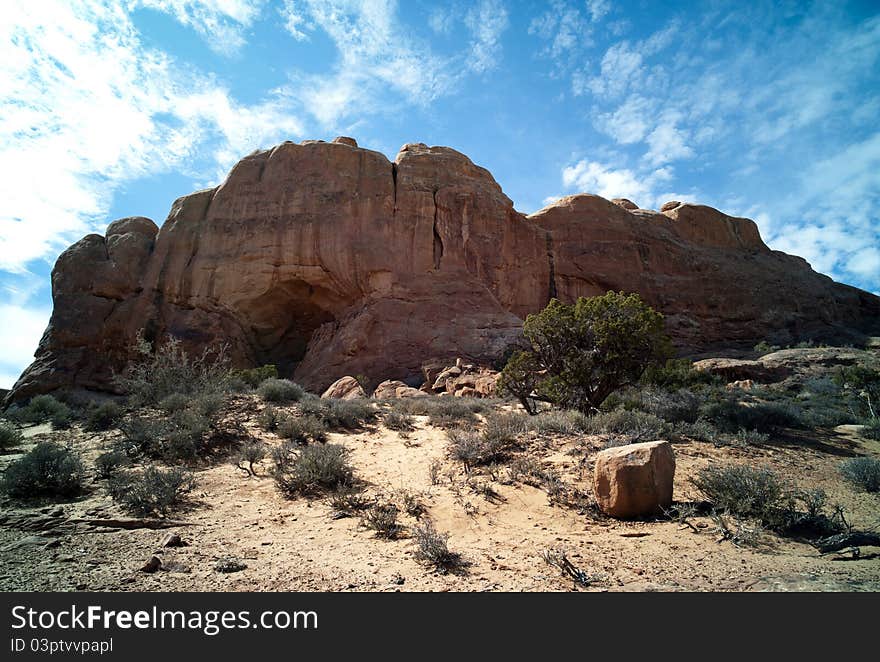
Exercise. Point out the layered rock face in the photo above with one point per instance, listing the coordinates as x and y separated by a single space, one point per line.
328 260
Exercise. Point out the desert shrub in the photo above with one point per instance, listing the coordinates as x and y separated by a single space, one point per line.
400 421
581 353
742 490
631 426
174 402
474 449
381 517
730 415
412 503
208 405
9 435
676 374
863 472
102 416
339 414
758 493
159 372
280 390
107 464
559 421
178 436
48 470
248 455
871 430
312 469
347 501
504 428
42 409
268 419
432 549
763 348
750 438
253 377
62 419
302 429
153 491
429 405
701 430
349 414
451 412
681 405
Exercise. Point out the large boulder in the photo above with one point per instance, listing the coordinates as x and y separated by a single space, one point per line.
344 388
395 389
634 480
733 370
327 260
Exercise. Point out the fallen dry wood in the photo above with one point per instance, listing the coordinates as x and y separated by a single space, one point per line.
842 540
131 523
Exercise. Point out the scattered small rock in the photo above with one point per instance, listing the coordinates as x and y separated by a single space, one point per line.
152 565
229 565
172 540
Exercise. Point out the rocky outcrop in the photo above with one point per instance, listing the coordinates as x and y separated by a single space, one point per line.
634 480
712 276
732 370
329 260
395 389
459 378
344 388
797 364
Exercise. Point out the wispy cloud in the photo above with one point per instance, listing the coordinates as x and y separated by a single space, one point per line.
736 93
566 28
379 56
487 21
221 23
86 107
592 177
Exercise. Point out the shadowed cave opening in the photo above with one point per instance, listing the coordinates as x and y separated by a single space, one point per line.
283 319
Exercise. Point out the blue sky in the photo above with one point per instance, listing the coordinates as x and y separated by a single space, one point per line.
762 109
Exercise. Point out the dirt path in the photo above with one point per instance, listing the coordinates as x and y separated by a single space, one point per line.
298 545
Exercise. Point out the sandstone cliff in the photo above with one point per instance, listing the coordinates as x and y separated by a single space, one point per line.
328 260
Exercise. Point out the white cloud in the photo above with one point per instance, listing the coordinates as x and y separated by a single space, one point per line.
865 263
667 143
592 177
838 227
20 332
486 22
86 107
442 20
598 8
622 67
295 21
630 122
564 28
221 23
378 55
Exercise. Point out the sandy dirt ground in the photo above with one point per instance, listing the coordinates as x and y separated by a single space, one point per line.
299 545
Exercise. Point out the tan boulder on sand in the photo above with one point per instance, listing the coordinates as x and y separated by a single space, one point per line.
344 388
392 388
634 480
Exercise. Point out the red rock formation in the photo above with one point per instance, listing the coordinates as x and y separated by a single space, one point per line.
328 260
